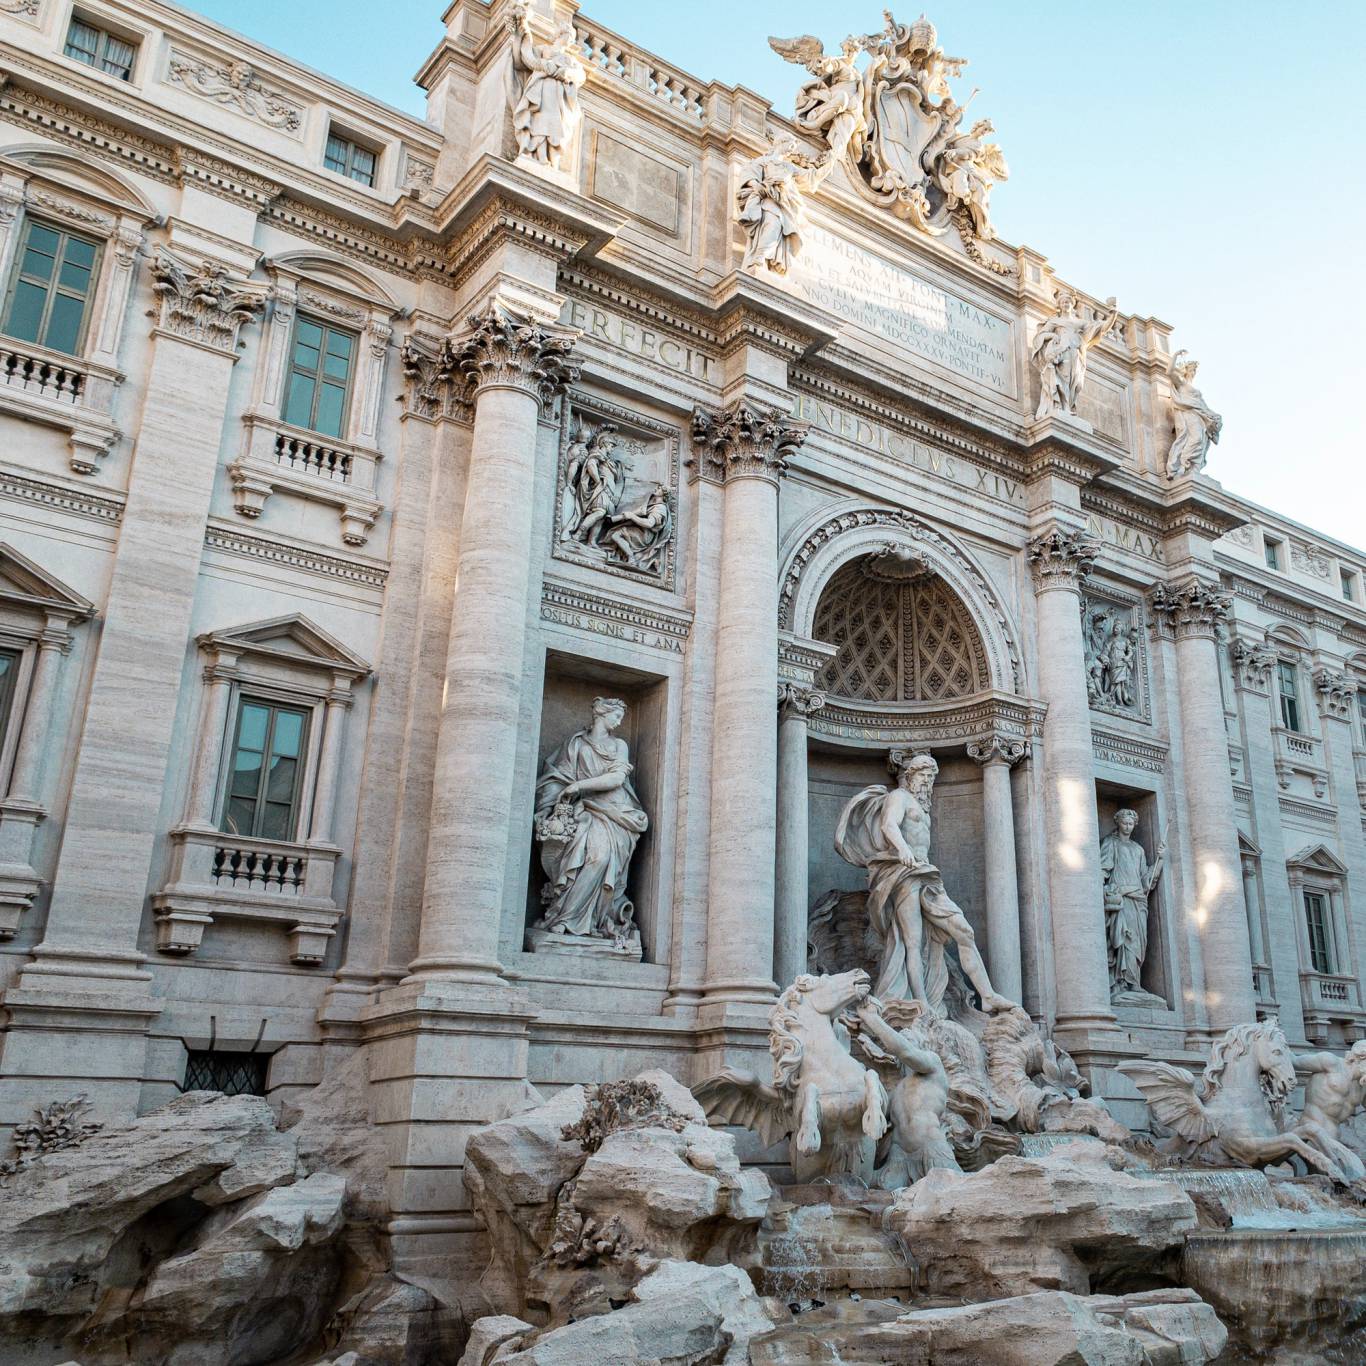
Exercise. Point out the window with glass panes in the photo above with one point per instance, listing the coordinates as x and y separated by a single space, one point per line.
349 159
1320 941
264 780
101 49
1361 712
1289 690
50 290
318 388
9 675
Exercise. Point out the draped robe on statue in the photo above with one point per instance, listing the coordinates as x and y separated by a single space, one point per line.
907 907
587 873
1128 880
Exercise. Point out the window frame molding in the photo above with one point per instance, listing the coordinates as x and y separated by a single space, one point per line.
379 148
278 457
100 245
1317 869
117 27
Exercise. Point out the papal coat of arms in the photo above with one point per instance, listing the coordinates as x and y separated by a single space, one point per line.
896 125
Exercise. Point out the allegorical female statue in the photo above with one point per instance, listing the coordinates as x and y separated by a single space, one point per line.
769 204
546 115
1197 424
588 820
1060 350
1129 882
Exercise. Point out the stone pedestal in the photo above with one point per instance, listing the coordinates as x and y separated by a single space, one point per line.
1192 611
996 757
1060 558
744 446
792 894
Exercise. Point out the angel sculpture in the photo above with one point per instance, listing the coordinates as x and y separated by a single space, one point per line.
966 170
832 101
1197 424
831 1107
1234 1115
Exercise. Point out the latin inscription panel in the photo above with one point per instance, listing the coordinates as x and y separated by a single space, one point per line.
889 302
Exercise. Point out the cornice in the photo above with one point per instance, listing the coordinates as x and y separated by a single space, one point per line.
631 296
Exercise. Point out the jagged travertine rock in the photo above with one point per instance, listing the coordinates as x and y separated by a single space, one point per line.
573 1230
682 1314
1047 1223
390 1322
1052 1328
493 1338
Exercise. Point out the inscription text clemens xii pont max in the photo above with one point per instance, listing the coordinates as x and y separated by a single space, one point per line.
882 299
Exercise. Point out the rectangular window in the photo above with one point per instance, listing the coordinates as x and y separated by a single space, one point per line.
9 675
1288 687
101 49
318 388
1273 553
233 1074
1349 585
1320 942
350 159
50 289
263 796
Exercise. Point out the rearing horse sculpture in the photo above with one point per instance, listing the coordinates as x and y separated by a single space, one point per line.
831 1107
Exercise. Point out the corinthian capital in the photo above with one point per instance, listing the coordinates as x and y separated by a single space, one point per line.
1252 665
998 749
1335 694
745 441
1061 558
798 701
1192 608
500 349
202 302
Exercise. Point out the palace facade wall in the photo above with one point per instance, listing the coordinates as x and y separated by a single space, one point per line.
293 606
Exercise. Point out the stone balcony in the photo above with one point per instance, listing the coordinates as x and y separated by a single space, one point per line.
281 458
1330 997
56 390
218 876
1297 752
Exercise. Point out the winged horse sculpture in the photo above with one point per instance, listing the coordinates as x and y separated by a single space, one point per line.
1235 1112
830 1106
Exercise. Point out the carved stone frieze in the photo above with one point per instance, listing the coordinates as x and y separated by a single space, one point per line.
869 726
1252 664
1110 747
1335 693
1192 608
501 349
24 7
70 210
1061 558
1309 559
203 303
236 85
745 440
998 749
613 617
794 700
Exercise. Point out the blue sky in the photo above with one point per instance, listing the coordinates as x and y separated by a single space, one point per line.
1198 160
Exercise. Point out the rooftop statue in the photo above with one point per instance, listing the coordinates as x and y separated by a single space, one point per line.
1197 424
896 125
546 114
1060 351
769 204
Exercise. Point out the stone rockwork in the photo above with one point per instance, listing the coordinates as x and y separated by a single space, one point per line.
585 1195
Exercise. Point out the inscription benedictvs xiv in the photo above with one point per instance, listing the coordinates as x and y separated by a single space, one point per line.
889 302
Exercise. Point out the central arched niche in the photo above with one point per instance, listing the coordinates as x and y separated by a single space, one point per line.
902 634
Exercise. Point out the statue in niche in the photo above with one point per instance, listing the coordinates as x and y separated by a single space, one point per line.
1334 1090
640 536
888 833
1129 882
1112 644
1197 424
594 480
546 115
588 821
769 205
1060 350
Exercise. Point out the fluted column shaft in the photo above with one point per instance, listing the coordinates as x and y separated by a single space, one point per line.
1192 611
792 897
745 446
513 367
996 757
1060 559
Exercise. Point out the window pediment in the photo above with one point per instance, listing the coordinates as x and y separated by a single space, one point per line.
292 639
26 584
1317 858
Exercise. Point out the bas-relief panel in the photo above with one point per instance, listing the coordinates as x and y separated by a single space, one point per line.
642 184
891 303
1128 538
1116 658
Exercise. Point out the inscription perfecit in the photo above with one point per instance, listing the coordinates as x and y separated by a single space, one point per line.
889 302
637 340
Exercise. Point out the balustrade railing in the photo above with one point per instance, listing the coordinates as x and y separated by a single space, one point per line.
313 457
40 374
259 869
614 58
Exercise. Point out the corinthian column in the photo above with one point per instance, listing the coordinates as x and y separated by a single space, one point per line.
792 897
513 368
996 757
1192 612
1060 560
745 447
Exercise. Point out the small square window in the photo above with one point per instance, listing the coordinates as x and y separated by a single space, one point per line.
1349 585
1273 553
350 159
97 47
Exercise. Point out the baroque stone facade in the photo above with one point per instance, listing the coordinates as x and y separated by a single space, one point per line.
372 451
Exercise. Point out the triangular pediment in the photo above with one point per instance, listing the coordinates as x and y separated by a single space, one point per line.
29 584
1248 846
1318 858
294 638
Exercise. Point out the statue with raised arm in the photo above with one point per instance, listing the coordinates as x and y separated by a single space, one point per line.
1334 1090
588 820
831 103
769 204
1060 349
1197 424
546 113
1128 881
888 833
966 170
